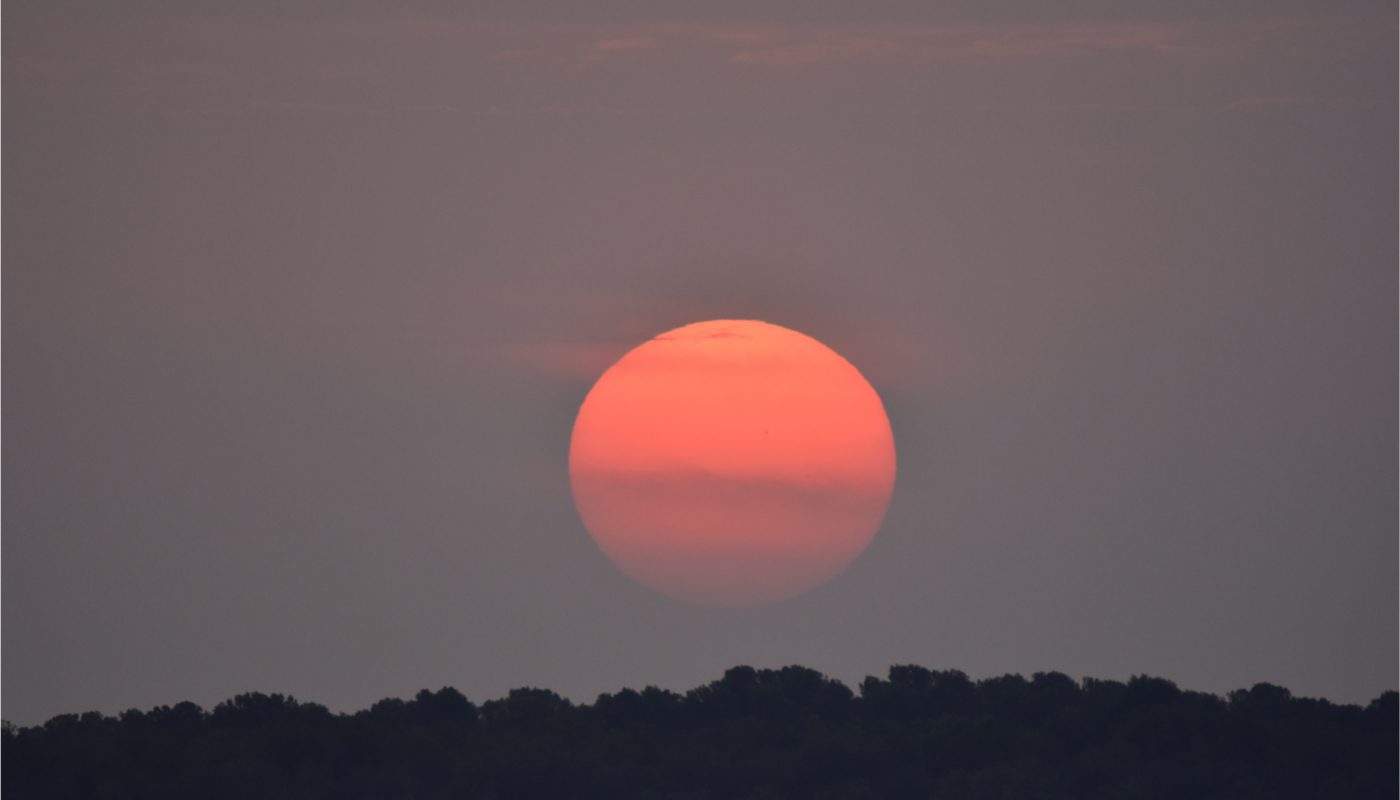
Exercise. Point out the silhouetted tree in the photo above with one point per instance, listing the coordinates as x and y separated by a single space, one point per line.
753 733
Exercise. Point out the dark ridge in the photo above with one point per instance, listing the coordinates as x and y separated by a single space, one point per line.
788 733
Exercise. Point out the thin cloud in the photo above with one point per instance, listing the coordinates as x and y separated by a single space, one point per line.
623 44
798 46
417 63
564 359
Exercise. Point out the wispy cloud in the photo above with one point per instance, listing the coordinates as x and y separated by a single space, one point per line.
976 44
623 44
566 359
458 65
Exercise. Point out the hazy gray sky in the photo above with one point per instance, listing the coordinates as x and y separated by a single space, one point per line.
299 307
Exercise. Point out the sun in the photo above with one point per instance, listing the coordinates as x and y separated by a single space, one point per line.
732 463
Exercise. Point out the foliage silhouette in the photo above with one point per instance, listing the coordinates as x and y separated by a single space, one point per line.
787 733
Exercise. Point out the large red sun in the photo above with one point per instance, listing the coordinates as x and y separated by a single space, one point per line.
732 462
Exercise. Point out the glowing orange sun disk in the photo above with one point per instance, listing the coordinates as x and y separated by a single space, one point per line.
732 462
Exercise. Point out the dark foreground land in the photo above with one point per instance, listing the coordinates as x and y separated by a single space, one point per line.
789 733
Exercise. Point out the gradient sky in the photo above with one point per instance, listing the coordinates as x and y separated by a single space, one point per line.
300 305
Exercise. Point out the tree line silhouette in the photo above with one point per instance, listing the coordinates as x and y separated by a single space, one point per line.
787 733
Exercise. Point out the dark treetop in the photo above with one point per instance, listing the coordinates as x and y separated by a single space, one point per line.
753 734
